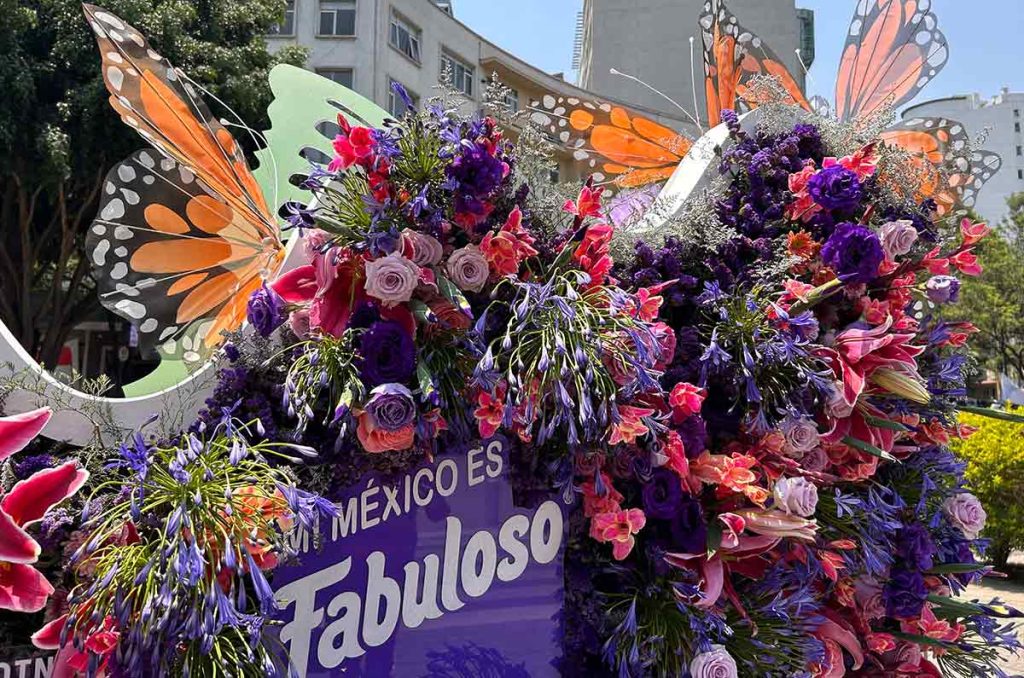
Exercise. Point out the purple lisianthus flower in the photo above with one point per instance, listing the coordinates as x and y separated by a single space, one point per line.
388 354
835 188
943 289
915 546
904 594
694 434
662 494
266 311
854 253
391 406
689 529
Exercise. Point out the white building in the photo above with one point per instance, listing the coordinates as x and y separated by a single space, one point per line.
650 40
996 123
368 44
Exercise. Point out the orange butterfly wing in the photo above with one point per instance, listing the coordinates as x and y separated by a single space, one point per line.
893 49
183 236
732 56
951 171
627 149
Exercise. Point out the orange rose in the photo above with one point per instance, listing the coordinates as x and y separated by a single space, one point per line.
375 440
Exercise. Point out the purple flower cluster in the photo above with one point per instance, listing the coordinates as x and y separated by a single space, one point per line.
854 253
388 354
835 188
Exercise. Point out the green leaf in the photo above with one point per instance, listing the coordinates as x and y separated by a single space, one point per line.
993 414
868 448
885 423
957 606
957 568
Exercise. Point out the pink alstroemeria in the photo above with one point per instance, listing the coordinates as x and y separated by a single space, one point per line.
967 263
618 527
630 425
858 352
973 233
587 205
863 163
685 399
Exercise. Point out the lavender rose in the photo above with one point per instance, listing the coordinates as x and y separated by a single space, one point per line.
835 188
468 268
801 436
796 496
898 237
391 406
965 511
266 311
423 249
392 279
715 663
943 289
854 253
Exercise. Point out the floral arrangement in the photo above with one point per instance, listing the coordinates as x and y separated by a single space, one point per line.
753 428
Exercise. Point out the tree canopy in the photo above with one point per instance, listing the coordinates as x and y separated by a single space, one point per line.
59 137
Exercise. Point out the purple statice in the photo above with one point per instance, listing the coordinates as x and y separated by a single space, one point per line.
246 395
854 252
23 467
836 188
387 354
266 311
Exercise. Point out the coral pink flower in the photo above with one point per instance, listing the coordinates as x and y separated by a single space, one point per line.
935 264
880 642
803 206
298 285
973 233
489 411
618 527
685 400
863 163
594 502
18 430
967 263
587 205
630 426
509 247
375 440
339 277
592 254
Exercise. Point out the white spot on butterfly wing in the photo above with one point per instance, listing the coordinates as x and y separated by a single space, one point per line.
127 290
168 331
109 19
112 210
549 101
119 271
99 229
126 172
130 196
121 251
147 159
148 179
148 325
132 309
123 233
99 254
116 77
166 164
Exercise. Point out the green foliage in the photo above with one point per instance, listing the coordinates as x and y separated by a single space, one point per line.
58 135
995 471
994 302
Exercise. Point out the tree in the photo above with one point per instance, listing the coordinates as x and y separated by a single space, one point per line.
994 302
995 474
59 137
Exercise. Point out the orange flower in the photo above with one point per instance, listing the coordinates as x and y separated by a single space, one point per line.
375 440
802 244
630 426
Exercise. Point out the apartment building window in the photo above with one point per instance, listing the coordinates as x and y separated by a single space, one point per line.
1020 174
396 107
287 25
1020 150
342 76
1016 127
459 71
405 37
337 18
1016 112
512 100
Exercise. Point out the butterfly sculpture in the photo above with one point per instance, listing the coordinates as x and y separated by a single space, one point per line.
893 49
184 234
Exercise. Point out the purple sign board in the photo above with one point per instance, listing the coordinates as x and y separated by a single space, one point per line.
433 573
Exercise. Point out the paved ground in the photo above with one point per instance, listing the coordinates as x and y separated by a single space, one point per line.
1012 593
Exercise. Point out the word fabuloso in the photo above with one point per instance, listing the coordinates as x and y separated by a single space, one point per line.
351 622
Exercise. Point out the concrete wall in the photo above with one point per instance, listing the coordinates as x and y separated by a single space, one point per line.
650 39
999 121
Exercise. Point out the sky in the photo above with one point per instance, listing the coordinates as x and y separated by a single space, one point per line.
986 39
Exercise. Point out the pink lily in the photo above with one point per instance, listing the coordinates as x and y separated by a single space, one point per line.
18 430
779 525
835 632
973 233
297 285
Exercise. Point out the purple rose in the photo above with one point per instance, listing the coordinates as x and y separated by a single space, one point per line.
835 188
854 253
796 496
965 511
904 594
715 663
688 527
943 289
898 237
388 354
266 311
391 406
867 592
662 494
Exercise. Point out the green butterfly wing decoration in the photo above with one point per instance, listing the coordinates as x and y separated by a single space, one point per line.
303 122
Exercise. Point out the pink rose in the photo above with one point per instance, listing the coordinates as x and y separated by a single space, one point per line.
298 321
468 268
423 249
376 440
815 461
313 242
392 279
966 512
898 237
796 496
715 663
801 436
666 338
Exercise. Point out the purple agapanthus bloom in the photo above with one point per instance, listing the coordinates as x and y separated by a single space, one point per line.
835 188
388 354
854 252
266 311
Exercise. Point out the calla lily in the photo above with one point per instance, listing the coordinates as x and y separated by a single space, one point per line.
18 430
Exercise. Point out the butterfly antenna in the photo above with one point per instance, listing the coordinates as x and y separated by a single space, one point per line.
693 83
669 99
